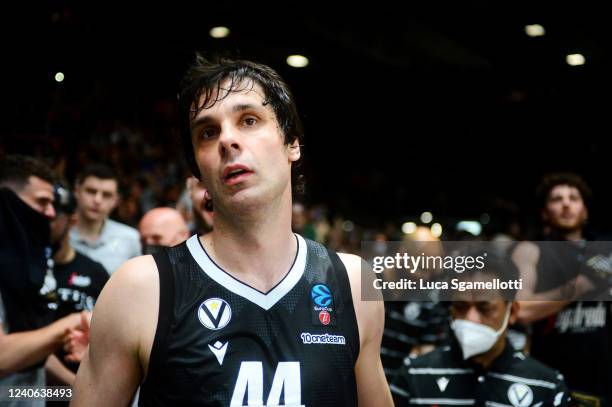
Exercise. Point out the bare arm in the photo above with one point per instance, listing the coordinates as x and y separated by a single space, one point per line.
121 335
372 386
21 350
57 373
533 306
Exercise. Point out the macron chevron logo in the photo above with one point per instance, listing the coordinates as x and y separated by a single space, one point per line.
219 349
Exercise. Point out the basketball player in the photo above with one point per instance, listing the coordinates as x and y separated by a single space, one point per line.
250 313
574 337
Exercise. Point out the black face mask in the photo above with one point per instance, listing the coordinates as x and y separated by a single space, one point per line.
24 261
152 248
19 217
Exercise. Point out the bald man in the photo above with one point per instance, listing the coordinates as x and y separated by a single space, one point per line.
162 227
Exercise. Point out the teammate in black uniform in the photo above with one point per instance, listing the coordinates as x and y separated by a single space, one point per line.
572 336
479 367
248 314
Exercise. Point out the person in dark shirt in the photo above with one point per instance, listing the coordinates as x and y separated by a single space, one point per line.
79 279
479 367
574 336
28 335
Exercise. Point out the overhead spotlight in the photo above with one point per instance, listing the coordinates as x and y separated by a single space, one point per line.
575 59
409 227
59 77
297 61
436 230
534 30
426 217
219 32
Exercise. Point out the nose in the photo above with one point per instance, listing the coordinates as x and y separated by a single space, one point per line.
473 315
49 212
98 197
566 201
229 141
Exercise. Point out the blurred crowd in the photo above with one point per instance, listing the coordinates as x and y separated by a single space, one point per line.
103 212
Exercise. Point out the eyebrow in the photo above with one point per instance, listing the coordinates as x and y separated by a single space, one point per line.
235 109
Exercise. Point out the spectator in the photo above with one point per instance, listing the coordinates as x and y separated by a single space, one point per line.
162 227
26 283
95 235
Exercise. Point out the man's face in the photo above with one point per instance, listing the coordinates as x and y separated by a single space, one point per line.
565 208
240 150
490 313
96 198
197 193
38 194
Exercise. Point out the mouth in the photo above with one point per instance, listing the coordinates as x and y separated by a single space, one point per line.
234 174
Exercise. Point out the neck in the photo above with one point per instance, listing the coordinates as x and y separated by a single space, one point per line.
570 235
89 229
257 246
65 254
486 359
573 235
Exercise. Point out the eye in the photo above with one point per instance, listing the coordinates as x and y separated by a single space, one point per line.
44 201
208 133
250 121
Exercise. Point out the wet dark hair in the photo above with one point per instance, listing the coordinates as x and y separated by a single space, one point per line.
16 169
553 180
204 78
101 171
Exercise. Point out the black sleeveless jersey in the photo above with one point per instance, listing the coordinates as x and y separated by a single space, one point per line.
220 342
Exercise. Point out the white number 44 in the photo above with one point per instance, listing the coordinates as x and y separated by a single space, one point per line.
250 382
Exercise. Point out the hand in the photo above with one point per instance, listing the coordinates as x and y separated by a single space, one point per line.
72 321
583 285
77 340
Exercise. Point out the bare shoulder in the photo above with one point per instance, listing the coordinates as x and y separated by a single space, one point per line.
370 314
133 284
526 251
136 272
121 335
127 308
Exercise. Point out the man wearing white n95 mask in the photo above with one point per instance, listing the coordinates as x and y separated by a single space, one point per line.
479 367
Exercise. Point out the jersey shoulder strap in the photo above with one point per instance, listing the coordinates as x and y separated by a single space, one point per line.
166 309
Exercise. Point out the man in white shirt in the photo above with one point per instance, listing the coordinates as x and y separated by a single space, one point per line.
95 235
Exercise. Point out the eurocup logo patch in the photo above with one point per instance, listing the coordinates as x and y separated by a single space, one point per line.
322 305
321 295
214 313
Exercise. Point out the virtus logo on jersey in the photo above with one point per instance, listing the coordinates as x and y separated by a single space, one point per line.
214 313
322 305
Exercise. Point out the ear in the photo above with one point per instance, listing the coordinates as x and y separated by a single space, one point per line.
72 220
544 214
117 200
294 150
